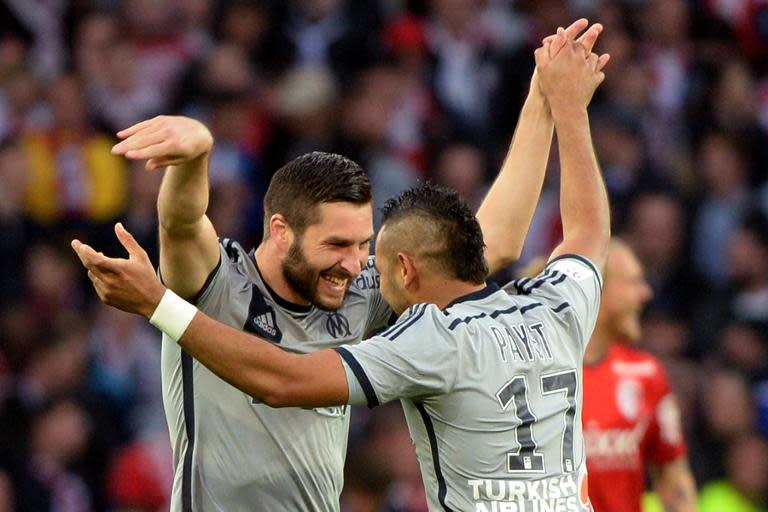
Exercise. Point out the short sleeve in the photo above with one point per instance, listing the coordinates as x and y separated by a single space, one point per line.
216 294
416 357
570 286
379 315
664 441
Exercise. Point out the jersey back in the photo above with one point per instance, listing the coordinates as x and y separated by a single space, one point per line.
232 453
491 389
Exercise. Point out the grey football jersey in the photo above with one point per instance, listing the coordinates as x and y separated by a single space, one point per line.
491 389
232 453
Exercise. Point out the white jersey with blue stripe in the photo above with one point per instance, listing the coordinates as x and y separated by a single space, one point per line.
491 387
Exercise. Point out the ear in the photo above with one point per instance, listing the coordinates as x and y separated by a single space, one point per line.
408 273
280 232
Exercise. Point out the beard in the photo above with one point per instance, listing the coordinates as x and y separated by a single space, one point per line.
303 277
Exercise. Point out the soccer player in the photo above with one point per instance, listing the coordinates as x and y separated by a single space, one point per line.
490 378
308 286
631 420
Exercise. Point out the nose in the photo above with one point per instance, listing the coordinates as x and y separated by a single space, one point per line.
353 261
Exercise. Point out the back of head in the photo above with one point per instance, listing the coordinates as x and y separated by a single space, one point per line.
436 226
305 182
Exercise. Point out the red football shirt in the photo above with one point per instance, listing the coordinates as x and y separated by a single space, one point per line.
630 419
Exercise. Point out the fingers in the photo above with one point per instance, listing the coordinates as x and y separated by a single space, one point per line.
589 38
158 150
95 261
575 28
129 242
558 42
592 61
122 134
140 139
98 285
602 61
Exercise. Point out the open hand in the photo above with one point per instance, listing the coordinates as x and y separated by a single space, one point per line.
127 284
164 140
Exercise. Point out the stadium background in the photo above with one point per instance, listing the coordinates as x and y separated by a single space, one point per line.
411 89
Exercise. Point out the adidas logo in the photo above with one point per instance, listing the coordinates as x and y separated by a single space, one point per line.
265 322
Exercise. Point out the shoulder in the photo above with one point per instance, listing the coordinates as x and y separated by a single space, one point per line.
416 320
575 266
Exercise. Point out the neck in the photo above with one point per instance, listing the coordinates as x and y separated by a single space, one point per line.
442 291
598 345
269 261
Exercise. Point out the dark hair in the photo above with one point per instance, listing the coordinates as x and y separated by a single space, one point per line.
300 185
457 234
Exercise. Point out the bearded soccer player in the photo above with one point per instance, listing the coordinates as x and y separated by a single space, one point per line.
631 420
309 285
489 378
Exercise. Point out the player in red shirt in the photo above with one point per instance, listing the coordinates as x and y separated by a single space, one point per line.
630 418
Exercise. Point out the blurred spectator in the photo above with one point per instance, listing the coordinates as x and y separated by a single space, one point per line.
384 484
726 195
745 488
73 174
117 95
139 478
125 366
464 69
253 27
58 438
14 175
365 123
722 390
656 232
336 34
748 264
462 167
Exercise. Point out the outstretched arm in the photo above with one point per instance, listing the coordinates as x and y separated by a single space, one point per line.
507 210
189 248
276 377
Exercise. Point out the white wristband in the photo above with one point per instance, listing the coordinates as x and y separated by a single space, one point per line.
173 315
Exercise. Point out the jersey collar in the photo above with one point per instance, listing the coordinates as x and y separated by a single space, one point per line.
479 294
290 306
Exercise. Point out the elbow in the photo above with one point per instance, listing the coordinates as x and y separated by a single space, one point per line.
273 392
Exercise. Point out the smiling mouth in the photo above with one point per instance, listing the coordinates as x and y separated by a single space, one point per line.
335 281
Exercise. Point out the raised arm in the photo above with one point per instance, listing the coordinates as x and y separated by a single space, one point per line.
568 82
274 376
189 249
507 210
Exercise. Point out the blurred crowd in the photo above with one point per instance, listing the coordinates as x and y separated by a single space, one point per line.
412 90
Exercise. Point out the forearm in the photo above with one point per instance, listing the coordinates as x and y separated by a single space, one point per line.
506 213
183 197
676 487
583 198
266 372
